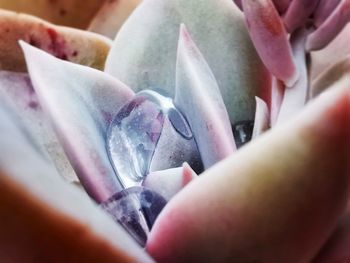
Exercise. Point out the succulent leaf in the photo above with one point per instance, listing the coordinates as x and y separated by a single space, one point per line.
298 13
262 118
323 10
330 28
198 96
80 103
330 76
111 17
61 12
295 97
143 55
169 182
41 212
270 210
265 26
18 90
71 44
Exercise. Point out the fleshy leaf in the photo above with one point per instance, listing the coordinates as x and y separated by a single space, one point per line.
238 3
144 52
270 39
80 103
37 205
277 93
298 13
17 88
336 248
198 96
330 76
323 10
262 117
62 12
334 52
330 28
282 5
66 43
169 182
276 200
111 17
295 97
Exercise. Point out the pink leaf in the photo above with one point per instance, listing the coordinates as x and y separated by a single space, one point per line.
169 182
298 13
198 96
80 103
330 28
270 39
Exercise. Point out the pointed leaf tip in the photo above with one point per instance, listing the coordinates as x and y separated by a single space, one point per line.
199 98
80 103
270 39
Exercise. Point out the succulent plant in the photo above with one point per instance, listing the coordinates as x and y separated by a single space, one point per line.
206 131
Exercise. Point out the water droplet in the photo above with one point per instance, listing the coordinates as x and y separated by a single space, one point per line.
135 131
136 209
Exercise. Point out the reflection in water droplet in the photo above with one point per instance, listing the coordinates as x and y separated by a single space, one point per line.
136 209
134 133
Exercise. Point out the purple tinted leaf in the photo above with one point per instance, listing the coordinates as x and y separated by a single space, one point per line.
296 97
136 209
198 96
270 39
17 88
169 182
262 117
282 5
238 3
330 28
80 103
323 10
298 13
